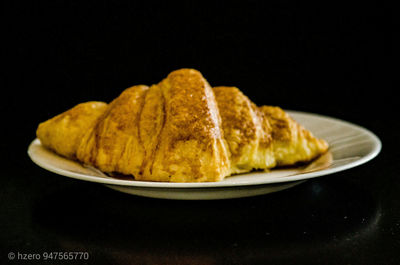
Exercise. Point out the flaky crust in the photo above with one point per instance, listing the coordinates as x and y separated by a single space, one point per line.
63 133
180 130
246 132
262 137
168 132
113 143
292 143
190 147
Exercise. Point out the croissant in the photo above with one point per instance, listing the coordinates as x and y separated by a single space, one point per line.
179 130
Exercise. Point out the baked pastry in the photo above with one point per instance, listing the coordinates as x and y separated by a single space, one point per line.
262 137
64 132
180 130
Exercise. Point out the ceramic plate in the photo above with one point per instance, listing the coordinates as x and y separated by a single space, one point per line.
350 146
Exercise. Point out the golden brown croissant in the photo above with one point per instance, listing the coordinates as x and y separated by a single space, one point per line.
180 130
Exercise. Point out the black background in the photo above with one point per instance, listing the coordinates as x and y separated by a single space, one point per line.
327 59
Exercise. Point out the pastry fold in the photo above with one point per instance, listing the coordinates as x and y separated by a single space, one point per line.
179 130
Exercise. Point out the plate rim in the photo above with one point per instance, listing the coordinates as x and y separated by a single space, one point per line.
377 146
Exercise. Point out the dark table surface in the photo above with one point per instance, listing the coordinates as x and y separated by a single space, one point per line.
350 217
331 60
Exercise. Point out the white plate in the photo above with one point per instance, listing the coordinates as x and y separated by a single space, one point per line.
350 146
